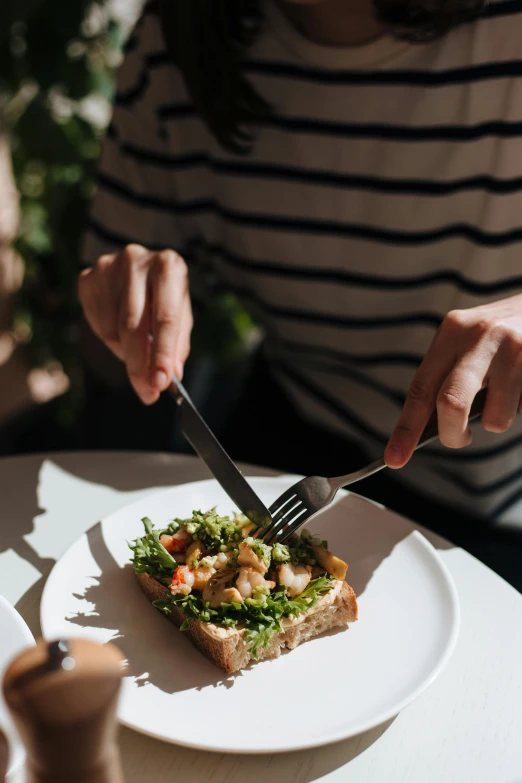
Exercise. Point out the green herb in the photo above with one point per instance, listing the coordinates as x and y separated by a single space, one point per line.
150 556
260 617
263 551
301 552
173 527
212 530
281 553
312 540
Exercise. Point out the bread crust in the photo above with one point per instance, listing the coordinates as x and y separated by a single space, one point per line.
226 647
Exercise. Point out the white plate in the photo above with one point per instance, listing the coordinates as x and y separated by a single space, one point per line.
15 636
328 689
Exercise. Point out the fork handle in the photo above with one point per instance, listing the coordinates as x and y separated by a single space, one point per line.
429 434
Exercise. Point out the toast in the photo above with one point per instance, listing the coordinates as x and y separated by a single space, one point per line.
227 648
237 598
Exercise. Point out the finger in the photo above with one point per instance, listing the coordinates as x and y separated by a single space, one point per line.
504 387
420 400
183 346
169 292
456 396
134 328
108 314
96 292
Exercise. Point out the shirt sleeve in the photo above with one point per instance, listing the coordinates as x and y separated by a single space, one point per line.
134 188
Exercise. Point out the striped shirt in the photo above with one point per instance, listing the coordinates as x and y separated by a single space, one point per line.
384 189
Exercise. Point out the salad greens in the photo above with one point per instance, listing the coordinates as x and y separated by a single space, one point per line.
150 557
260 616
214 531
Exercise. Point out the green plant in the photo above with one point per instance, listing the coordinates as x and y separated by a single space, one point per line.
57 69
56 78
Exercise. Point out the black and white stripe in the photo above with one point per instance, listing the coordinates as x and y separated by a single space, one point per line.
377 198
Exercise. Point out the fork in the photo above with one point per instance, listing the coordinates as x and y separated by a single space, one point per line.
309 496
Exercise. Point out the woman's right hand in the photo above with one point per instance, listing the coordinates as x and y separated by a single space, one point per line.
137 301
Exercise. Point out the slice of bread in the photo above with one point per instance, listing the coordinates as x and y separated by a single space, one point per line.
226 647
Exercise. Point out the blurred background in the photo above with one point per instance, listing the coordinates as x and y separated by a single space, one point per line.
58 387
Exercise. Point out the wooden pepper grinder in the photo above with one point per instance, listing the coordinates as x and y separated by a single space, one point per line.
4 756
63 698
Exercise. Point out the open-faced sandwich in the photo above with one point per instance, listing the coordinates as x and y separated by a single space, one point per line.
237 598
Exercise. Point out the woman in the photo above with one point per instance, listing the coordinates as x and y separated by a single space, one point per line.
352 172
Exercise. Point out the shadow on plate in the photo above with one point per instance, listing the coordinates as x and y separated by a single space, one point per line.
355 531
156 652
159 654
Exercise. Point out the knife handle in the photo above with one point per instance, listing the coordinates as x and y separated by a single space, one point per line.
63 698
177 390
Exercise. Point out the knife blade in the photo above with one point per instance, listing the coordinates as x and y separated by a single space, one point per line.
207 446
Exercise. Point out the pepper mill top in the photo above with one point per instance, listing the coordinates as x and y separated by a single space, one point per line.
63 698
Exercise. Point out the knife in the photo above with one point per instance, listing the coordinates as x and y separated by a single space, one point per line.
207 446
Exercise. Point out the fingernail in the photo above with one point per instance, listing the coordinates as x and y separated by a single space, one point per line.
160 379
178 369
394 456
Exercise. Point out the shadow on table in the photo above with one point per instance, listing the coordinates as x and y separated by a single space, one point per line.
19 508
114 602
29 500
19 491
142 470
48 493
305 766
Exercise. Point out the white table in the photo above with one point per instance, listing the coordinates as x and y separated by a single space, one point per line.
467 728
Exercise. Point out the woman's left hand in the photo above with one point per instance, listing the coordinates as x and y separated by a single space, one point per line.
472 349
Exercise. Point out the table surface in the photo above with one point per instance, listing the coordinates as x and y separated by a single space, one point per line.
465 729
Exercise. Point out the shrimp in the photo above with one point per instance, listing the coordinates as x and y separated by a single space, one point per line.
294 578
222 559
194 552
247 557
247 528
219 589
249 579
186 579
182 580
201 576
176 543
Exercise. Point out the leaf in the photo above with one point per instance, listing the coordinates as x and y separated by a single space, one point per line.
260 619
150 557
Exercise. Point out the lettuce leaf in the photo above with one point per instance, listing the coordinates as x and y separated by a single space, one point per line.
150 556
260 618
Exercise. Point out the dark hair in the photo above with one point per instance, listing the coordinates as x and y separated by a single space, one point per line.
208 39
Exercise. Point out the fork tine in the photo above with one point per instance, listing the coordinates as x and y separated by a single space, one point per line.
280 532
295 524
282 513
278 517
277 510
281 501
